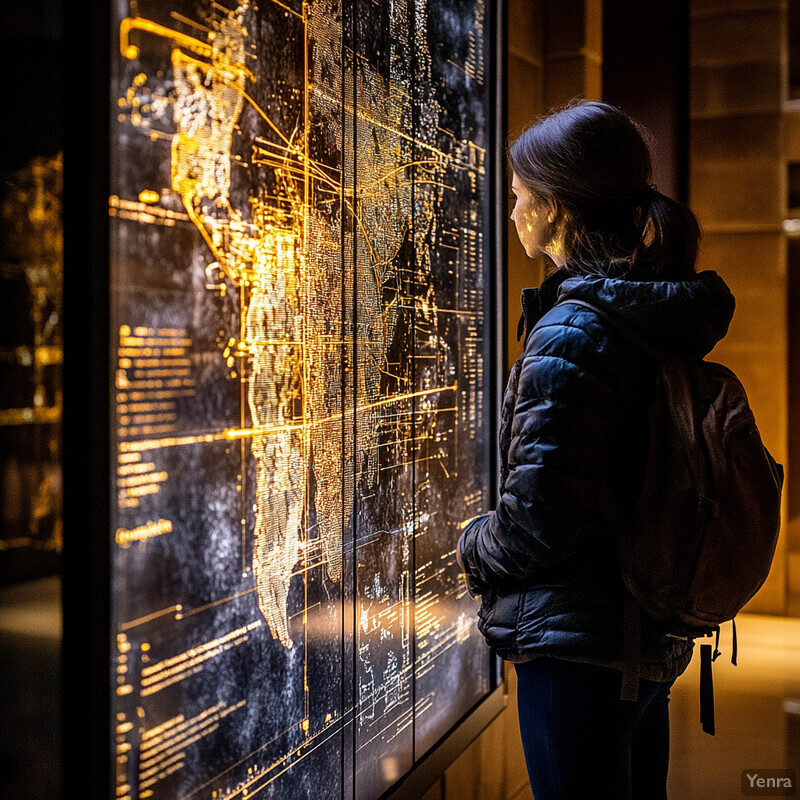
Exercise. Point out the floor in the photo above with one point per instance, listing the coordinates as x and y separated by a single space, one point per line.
30 690
757 704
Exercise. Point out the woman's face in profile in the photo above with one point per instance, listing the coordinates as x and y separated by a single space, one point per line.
534 229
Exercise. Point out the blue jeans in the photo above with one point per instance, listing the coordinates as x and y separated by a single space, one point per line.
581 741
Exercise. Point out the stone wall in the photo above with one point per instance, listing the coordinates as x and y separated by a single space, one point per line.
737 189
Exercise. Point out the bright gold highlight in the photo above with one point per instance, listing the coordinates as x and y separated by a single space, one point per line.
266 258
284 256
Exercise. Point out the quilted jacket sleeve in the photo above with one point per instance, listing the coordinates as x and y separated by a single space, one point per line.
556 497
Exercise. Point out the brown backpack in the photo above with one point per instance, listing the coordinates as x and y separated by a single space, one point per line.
701 538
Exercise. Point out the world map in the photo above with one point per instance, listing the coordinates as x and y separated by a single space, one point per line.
299 225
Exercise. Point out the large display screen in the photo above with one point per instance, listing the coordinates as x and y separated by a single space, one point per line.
302 340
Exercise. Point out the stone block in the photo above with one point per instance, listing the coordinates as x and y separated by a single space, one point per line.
516 771
744 37
753 265
593 36
772 597
740 192
791 135
793 569
749 262
477 774
729 139
565 26
752 86
525 94
462 777
526 29
699 8
763 374
564 80
493 782
593 79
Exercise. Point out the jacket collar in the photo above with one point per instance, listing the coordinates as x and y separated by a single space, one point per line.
537 302
686 316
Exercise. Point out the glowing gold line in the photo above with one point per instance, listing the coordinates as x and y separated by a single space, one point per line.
135 23
401 168
201 227
184 614
349 109
258 109
187 21
155 615
290 10
130 51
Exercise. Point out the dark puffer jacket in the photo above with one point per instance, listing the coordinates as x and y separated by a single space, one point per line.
572 444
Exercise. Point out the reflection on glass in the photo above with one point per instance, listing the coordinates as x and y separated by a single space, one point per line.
31 274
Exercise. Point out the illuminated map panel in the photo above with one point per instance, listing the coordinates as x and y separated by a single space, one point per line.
299 297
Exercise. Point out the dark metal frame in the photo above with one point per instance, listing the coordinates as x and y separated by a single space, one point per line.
87 408
88 730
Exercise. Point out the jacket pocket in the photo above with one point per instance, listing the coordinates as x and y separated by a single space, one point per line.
497 618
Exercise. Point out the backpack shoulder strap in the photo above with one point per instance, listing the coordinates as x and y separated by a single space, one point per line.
614 322
673 369
632 612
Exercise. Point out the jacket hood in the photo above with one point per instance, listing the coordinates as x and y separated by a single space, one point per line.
688 316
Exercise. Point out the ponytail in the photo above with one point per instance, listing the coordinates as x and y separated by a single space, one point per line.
670 237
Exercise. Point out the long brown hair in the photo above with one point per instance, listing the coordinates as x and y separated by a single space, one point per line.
589 164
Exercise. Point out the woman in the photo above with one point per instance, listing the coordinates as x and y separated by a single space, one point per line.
573 442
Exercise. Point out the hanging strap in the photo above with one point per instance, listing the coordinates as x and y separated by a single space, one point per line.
706 690
631 648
